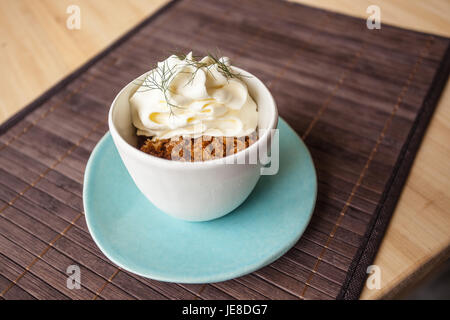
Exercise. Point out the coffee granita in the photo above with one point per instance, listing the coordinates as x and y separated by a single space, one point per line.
194 110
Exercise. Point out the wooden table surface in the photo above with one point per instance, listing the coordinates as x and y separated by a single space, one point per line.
37 50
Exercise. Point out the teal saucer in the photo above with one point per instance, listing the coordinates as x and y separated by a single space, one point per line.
138 237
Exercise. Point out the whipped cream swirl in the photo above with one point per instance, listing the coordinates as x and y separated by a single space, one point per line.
184 98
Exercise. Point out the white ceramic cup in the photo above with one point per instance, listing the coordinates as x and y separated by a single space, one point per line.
195 191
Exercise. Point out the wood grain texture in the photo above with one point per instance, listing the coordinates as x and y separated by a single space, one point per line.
37 49
290 273
425 16
418 233
418 239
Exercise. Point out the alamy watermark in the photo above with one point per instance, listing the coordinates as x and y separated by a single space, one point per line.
373 281
264 150
374 20
73 22
74 277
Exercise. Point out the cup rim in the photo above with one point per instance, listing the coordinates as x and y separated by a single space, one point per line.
140 155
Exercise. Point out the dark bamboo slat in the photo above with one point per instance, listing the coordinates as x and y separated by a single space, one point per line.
339 85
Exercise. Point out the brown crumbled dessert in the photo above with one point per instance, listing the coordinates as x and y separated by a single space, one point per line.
195 149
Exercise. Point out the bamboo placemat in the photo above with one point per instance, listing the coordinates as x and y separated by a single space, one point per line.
361 100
